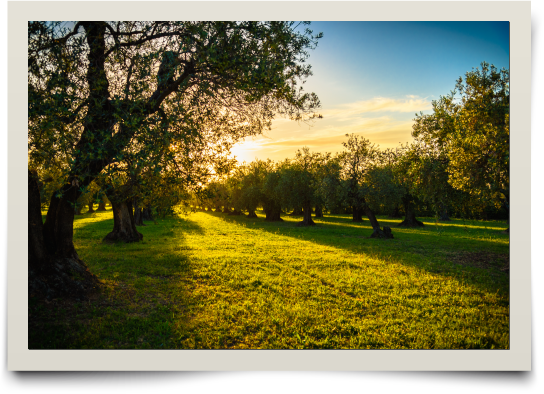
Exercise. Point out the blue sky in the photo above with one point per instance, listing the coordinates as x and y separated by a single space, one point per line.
372 77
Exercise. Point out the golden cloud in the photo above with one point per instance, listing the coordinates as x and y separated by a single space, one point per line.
327 135
411 104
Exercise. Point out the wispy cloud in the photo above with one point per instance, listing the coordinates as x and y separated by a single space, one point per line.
384 121
411 104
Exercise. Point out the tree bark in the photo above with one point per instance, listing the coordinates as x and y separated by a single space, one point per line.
252 214
396 213
91 210
54 268
318 211
36 245
409 213
506 204
124 228
138 217
377 231
58 228
147 214
273 212
101 205
298 211
307 219
357 214
443 217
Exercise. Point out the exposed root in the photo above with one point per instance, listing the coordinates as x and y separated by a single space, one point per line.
384 234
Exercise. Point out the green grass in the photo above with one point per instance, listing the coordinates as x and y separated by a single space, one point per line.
209 280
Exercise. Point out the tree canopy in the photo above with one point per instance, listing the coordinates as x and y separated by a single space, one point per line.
132 98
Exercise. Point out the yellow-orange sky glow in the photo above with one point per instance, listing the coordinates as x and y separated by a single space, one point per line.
384 121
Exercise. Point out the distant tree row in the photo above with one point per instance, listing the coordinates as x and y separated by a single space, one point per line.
458 162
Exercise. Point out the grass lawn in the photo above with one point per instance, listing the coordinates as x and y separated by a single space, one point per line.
213 281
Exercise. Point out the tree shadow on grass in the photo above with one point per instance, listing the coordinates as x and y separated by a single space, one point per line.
146 300
476 255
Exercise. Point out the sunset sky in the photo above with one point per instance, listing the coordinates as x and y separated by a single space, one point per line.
372 77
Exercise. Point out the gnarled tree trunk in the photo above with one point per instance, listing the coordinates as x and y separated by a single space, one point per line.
54 268
272 212
101 205
307 219
251 214
357 214
409 213
377 231
395 214
138 217
318 211
147 214
124 227
443 214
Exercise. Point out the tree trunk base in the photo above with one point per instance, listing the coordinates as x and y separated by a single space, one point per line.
252 214
116 236
273 214
357 215
383 234
444 217
305 223
235 213
274 219
411 223
62 277
395 214
147 214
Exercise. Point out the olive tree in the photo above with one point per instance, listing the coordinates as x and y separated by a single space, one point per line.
93 85
358 159
470 129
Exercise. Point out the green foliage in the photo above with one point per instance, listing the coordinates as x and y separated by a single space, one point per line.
329 183
468 137
116 96
300 179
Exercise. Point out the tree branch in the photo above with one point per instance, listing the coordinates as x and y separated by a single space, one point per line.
72 118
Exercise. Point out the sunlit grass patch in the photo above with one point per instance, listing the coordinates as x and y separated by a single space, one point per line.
210 280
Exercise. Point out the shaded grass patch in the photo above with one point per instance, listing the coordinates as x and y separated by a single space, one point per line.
213 281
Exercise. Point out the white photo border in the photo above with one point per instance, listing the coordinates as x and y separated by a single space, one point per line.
517 358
